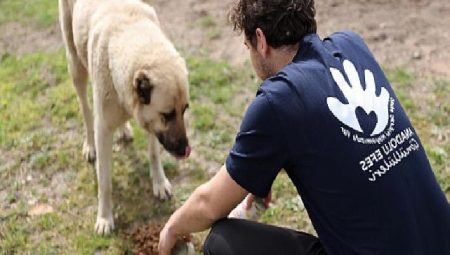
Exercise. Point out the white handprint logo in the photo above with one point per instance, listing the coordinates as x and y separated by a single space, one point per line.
358 97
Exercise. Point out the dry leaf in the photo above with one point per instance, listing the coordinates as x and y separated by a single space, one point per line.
40 209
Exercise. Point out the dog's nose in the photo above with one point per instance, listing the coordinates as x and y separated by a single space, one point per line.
183 152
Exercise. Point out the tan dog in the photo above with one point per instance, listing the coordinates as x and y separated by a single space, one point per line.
135 72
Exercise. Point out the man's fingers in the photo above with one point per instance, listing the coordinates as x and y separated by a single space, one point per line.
162 251
249 201
166 242
250 198
268 199
187 238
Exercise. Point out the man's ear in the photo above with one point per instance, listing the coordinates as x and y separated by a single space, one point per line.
261 43
143 87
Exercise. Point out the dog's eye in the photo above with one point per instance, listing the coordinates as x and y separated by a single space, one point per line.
169 116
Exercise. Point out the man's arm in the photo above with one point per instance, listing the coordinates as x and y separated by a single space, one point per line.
207 204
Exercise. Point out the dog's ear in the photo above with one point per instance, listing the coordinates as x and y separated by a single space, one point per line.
143 87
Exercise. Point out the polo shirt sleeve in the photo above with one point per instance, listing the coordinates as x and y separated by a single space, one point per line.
257 154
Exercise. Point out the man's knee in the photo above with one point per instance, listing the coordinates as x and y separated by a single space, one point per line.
217 241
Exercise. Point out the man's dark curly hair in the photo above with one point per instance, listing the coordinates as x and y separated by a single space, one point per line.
284 22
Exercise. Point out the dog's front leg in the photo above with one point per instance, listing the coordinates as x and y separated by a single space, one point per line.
103 143
161 185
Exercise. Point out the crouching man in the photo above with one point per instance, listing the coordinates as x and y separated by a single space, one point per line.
325 113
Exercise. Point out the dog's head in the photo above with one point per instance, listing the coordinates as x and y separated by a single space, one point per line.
161 99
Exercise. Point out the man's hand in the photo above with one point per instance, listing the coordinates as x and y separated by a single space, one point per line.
250 198
251 207
167 241
207 204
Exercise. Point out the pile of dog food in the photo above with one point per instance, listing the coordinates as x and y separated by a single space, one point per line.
146 239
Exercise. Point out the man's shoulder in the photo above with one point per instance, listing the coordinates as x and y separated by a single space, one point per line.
300 73
348 38
279 83
282 90
347 34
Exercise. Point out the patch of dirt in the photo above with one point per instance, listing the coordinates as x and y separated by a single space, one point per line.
18 39
411 33
179 21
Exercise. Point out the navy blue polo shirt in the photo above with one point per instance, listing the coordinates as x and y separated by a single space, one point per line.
332 121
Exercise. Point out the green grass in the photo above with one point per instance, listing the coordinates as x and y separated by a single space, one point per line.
40 13
214 34
429 113
214 87
41 133
209 24
438 146
286 209
30 86
206 22
13 235
402 82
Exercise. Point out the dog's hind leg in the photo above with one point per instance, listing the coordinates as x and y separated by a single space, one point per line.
162 188
79 76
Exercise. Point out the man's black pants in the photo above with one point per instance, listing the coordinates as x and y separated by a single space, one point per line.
236 236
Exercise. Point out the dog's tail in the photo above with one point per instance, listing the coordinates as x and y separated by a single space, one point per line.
76 67
65 21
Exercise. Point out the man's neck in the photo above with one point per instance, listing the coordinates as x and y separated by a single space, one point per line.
283 56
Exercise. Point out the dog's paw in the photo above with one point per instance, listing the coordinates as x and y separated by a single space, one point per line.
162 189
89 152
104 226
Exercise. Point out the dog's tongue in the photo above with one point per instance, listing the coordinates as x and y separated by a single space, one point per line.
187 151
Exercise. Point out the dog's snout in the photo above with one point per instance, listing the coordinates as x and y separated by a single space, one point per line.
177 147
188 151
183 149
